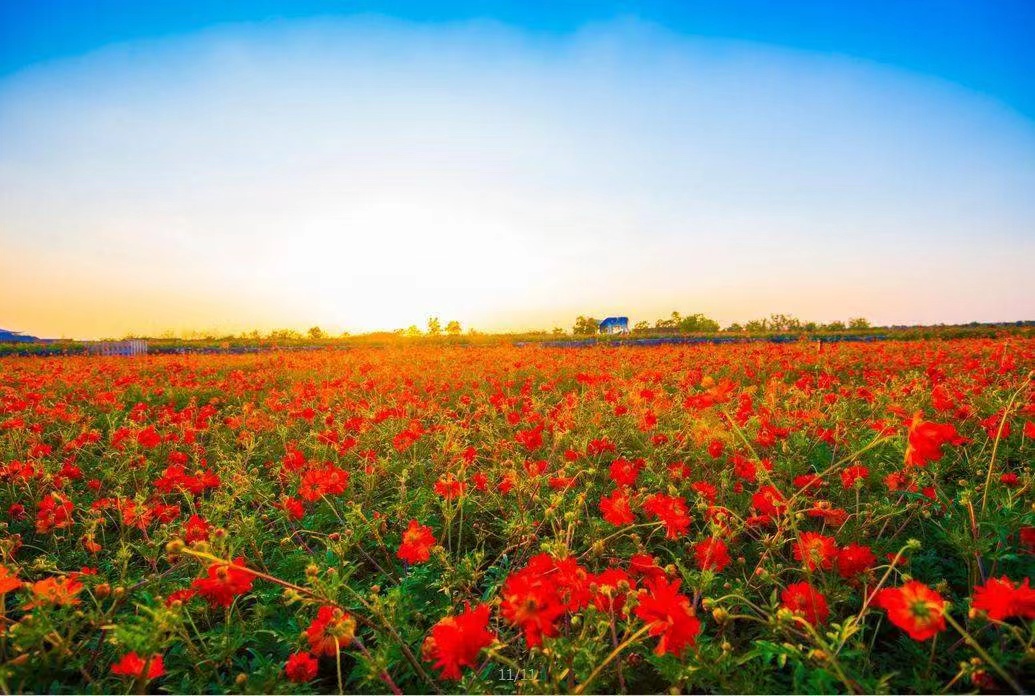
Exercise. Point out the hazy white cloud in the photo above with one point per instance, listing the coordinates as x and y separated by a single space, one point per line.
365 173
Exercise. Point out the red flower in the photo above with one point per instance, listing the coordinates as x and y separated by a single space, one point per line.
711 554
616 509
609 596
416 544
301 667
57 591
744 468
224 583
624 472
808 482
8 581
768 501
852 474
180 596
531 439
671 510
926 440
596 447
830 515
1027 538
540 593
669 615
1002 598
132 665
715 448
854 559
645 566
915 608
449 487
55 512
196 529
456 641
149 438
803 599
330 631
705 490
294 508
815 551
317 482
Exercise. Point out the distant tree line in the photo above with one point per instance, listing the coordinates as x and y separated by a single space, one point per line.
783 323
677 323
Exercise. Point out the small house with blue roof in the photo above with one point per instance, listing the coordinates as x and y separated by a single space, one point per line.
614 325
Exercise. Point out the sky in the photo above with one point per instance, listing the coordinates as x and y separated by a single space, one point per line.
361 166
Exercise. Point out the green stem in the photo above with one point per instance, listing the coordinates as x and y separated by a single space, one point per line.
983 655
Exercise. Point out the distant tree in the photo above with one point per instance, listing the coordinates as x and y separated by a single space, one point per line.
757 326
670 324
453 328
641 327
434 326
857 323
696 323
315 333
558 331
734 328
585 326
284 335
412 331
810 326
835 326
782 322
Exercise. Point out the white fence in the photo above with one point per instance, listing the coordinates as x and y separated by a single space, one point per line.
134 347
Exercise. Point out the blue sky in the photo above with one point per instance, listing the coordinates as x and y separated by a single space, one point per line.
365 165
985 45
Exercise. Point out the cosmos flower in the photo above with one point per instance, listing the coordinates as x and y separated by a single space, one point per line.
54 512
671 510
850 475
532 599
196 528
768 501
615 508
456 641
854 559
816 551
1002 598
301 667
330 631
223 583
804 600
55 591
609 595
148 438
915 608
416 544
711 554
669 615
132 665
8 581
624 472
926 439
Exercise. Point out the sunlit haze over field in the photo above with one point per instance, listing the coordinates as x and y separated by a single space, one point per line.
367 171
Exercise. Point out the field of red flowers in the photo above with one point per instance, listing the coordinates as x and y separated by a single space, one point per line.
744 518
